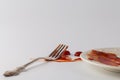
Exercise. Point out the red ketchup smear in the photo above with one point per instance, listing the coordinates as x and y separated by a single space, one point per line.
105 58
65 57
77 53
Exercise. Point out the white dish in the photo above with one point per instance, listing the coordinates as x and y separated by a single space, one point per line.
101 65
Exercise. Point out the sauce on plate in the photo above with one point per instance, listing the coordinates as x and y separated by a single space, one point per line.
104 57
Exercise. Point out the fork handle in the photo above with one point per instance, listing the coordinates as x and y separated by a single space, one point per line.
34 60
20 69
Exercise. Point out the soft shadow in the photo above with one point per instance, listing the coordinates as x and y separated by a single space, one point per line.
105 72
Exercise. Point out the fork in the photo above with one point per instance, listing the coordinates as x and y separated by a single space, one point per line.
56 53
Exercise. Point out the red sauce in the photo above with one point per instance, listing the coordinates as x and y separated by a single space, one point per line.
65 57
105 58
77 53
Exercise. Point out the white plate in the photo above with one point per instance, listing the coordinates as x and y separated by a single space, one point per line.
101 65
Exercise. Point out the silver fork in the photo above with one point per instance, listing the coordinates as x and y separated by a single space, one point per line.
53 56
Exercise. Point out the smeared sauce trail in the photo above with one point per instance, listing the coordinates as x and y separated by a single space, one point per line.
65 57
105 58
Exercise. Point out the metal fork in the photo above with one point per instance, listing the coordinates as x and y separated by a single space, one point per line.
53 56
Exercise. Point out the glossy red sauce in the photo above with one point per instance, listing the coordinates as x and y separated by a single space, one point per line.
66 57
105 58
77 53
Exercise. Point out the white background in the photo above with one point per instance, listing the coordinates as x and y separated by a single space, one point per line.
32 28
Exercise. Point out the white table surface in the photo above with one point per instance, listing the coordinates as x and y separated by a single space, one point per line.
32 28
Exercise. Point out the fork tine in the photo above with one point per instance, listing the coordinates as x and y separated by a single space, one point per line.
54 51
58 53
60 49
